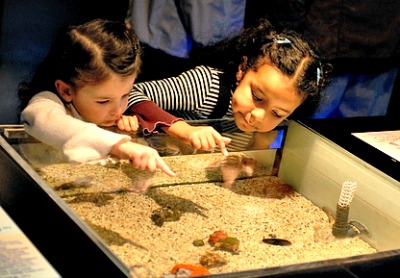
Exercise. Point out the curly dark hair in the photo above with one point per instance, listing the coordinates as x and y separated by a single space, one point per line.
287 50
85 54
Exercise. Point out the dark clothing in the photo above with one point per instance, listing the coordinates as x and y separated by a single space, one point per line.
355 36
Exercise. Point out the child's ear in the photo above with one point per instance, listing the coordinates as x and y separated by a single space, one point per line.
64 90
241 69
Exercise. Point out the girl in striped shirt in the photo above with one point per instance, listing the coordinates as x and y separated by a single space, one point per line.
258 79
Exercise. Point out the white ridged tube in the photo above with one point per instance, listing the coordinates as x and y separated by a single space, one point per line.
342 209
347 193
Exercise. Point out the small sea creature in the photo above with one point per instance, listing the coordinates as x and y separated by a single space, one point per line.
78 183
233 166
198 242
99 199
210 259
278 190
216 236
159 216
227 244
277 241
330 214
189 270
140 186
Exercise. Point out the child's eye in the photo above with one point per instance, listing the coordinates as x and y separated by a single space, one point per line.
277 115
255 97
103 102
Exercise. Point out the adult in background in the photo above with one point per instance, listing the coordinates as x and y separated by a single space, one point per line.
170 30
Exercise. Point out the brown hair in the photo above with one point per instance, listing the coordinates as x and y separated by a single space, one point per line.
86 54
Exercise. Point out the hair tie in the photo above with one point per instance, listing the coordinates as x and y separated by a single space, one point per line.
318 75
282 41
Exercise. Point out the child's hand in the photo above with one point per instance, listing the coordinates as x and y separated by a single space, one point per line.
128 123
141 157
200 137
207 138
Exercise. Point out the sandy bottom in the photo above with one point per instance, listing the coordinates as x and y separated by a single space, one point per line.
254 207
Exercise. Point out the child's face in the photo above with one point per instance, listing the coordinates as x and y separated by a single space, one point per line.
263 99
104 103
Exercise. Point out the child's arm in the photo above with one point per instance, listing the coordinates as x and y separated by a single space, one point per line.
46 119
140 156
152 117
194 91
200 137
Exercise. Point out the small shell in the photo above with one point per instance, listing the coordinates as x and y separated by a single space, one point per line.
277 241
159 216
227 244
216 236
198 242
212 260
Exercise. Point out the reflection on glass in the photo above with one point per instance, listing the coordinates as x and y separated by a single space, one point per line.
40 154
241 141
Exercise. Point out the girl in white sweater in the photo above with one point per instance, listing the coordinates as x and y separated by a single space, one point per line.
259 78
83 85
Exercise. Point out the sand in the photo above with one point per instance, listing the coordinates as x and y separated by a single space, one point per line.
209 194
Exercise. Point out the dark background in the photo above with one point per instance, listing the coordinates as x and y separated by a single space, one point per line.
27 29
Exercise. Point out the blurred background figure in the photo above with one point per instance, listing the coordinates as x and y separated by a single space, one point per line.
361 39
171 29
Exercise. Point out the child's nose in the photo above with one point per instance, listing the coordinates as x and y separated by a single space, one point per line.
117 110
258 115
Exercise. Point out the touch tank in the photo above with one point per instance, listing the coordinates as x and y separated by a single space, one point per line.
259 212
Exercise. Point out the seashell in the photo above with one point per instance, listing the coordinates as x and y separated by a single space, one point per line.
277 241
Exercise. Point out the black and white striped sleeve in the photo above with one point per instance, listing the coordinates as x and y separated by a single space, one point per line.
193 90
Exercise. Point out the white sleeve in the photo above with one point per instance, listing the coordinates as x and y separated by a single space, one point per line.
46 119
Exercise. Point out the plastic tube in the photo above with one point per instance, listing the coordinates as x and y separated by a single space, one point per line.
340 227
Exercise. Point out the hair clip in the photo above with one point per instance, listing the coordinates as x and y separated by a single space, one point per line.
135 46
282 41
318 75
